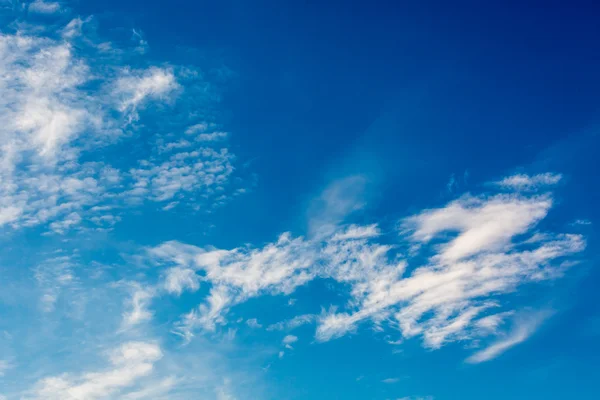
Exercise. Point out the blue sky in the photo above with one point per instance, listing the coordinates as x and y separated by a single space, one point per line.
279 200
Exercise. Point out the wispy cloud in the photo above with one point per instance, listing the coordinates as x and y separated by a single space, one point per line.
5 365
240 274
128 363
154 390
524 327
484 224
44 7
64 100
54 276
483 246
289 339
339 199
184 173
583 222
528 182
223 392
133 87
138 306
178 279
72 101
464 273
292 323
253 323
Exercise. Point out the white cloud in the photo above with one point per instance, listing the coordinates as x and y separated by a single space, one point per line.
527 182
582 222
5 365
183 175
112 311
44 7
292 323
240 274
212 137
483 224
524 327
54 276
60 198
289 339
178 279
206 132
61 104
452 294
73 28
134 87
45 109
65 224
44 112
491 323
153 390
482 247
339 199
201 127
390 380
357 232
222 393
9 214
128 363
253 323
175 252
138 306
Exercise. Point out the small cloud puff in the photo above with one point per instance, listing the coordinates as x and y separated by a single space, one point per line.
253 323
289 339
44 7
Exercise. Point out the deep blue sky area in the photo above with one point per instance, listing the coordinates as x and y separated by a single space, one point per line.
495 83
318 200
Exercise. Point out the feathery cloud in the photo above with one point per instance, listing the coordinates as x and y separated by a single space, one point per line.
64 100
44 7
128 363
525 327
482 247
527 182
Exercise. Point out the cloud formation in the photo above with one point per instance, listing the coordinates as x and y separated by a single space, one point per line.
523 328
447 287
44 7
528 183
134 87
67 99
128 363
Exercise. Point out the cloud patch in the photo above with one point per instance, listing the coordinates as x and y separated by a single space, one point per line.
128 363
463 256
67 99
524 327
526 182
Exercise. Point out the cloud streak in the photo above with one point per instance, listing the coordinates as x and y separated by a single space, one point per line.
525 326
128 363
526 182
